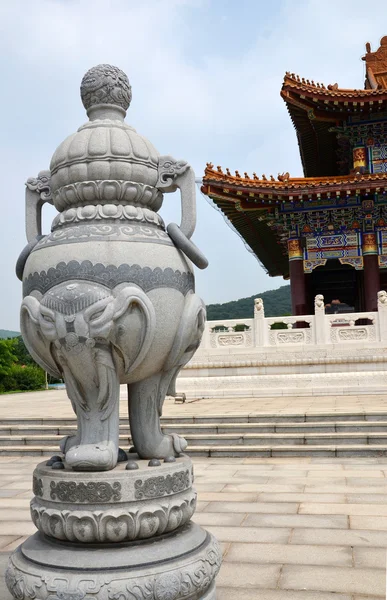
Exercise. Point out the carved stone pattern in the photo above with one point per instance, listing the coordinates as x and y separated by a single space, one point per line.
231 340
25 581
107 191
155 487
93 491
37 486
290 337
248 339
110 276
112 212
95 232
106 84
169 169
42 185
352 334
120 525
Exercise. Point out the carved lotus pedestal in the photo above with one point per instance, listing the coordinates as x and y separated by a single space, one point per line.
117 535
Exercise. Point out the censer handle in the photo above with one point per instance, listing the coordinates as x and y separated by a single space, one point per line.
38 191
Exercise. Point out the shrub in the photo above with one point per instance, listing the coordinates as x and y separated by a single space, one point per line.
24 377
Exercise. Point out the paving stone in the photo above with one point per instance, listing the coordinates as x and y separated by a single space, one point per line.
370 557
305 521
17 528
263 487
221 519
342 537
366 482
208 487
264 535
227 497
241 575
229 594
6 539
300 497
345 489
367 498
333 474
371 582
343 509
368 522
253 507
288 554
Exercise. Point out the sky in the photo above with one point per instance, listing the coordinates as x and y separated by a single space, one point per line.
206 78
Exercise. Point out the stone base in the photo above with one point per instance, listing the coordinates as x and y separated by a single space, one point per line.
182 564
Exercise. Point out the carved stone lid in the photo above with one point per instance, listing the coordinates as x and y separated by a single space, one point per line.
104 148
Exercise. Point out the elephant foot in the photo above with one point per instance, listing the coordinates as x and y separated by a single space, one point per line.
69 441
93 457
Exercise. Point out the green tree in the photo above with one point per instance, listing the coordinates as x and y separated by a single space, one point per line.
7 356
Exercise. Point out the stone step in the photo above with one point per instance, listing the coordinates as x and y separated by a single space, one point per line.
214 428
227 439
313 427
235 451
295 417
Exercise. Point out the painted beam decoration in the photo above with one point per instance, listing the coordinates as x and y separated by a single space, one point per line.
342 200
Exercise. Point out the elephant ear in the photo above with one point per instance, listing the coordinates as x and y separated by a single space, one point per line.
37 345
134 326
189 334
185 344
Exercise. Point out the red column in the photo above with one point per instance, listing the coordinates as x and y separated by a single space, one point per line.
297 278
371 271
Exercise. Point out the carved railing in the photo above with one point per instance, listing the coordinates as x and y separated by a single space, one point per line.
232 335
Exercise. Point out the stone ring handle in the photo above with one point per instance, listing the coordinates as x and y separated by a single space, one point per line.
173 174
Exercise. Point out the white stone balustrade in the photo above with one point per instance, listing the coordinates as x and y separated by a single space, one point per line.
318 353
306 329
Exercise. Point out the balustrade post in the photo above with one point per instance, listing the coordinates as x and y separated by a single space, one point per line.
205 341
382 315
319 320
259 322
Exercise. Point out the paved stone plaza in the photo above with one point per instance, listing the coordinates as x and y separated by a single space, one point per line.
291 528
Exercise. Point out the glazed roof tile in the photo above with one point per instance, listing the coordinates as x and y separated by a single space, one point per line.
286 183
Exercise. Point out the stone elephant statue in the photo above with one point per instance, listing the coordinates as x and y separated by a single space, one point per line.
77 330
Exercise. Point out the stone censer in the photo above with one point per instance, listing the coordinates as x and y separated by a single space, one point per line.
109 299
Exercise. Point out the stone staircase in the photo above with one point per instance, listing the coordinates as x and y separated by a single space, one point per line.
314 434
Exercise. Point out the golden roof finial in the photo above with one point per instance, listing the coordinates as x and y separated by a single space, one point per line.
228 171
219 168
255 176
247 175
264 178
237 175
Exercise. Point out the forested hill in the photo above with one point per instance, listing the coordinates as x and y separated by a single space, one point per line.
4 334
276 302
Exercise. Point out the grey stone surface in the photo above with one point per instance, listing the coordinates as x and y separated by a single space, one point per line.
109 299
115 311
185 563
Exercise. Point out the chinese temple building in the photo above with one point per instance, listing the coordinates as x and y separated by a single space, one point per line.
326 231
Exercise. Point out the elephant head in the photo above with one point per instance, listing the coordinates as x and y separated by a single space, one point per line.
91 336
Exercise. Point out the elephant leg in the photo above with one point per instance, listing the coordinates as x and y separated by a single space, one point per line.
145 398
95 447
